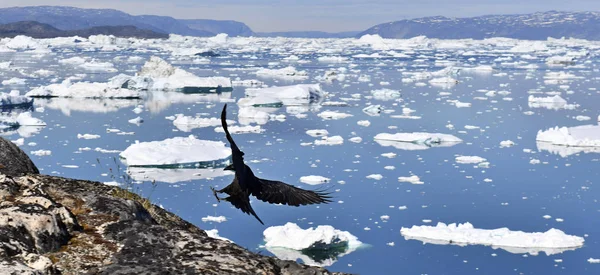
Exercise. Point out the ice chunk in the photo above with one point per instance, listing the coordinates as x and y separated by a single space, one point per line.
314 180
317 132
14 100
241 129
285 73
566 141
14 81
554 103
290 95
333 115
218 219
263 101
414 179
469 159
334 140
417 140
187 123
506 143
82 90
320 246
385 94
373 110
40 153
177 152
551 242
137 120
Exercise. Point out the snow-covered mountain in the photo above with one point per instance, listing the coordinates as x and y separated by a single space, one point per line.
535 26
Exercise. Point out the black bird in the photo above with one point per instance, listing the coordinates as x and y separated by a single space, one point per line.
246 183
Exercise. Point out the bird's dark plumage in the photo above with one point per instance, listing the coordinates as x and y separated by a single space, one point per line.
246 183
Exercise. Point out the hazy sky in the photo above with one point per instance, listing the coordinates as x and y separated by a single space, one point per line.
321 15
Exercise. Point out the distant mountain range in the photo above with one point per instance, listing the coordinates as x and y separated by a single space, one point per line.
534 26
40 30
70 18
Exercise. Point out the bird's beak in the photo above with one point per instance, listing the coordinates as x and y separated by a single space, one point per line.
229 168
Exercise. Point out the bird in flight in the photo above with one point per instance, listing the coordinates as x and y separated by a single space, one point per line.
246 183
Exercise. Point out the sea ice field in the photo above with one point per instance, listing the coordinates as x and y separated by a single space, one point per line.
442 156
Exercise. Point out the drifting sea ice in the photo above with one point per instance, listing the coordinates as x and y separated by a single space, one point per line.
324 243
177 152
333 115
82 90
187 123
551 242
334 140
14 99
285 73
553 103
469 159
314 180
300 94
241 129
417 140
385 94
566 141
414 179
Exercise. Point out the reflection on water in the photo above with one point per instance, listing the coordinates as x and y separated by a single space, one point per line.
175 175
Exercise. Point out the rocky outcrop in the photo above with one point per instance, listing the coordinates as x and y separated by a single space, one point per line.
13 161
52 225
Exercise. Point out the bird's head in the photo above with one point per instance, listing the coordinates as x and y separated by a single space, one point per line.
229 168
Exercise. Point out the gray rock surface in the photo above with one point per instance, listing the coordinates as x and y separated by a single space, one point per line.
53 225
13 161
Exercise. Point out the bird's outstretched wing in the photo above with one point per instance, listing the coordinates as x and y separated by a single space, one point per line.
278 192
236 154
243 203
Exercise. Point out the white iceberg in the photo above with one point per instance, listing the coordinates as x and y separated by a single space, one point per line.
14 100
385 94
177 152
551 242
300 94
187 123
584 138
83 90
314 180
157 74
320 246
469 159
416 140
287 73
333 115
552 102
334 140
241 129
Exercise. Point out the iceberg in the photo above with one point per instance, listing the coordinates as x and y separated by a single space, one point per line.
177 152
333 115
83 90
552 102
385 94
416 140
300 94
157 74
551 242
567 141
92 105
14 100
287 73
188 123
320 246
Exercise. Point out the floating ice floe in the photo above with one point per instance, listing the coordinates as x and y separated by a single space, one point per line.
552 102
566 141
560 60
300 94
551 242
385 94
414 179
373 110
260 101
218 219
177 152
287 73
241 129
188 123
14 100
314 180
14 81
417 140
320 246
157 74
506 143
333 115
334 140
469 159
175 175
83 90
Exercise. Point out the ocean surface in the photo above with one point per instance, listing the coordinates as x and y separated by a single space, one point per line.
514 190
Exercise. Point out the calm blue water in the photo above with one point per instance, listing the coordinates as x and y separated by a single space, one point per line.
518 196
